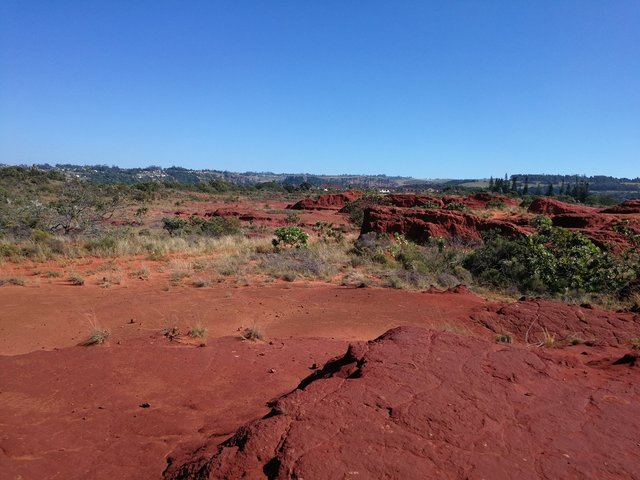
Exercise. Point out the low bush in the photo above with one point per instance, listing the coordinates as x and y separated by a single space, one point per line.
553 261
290 237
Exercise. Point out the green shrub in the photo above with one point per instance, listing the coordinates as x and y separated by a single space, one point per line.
105 245
326 231
215 226
497 204
457 206
553 260
291 237
173 224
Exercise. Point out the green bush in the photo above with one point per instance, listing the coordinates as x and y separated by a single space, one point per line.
553 260
215 226
457 206
291 237
173 224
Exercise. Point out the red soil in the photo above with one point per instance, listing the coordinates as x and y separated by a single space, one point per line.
71 411
423 405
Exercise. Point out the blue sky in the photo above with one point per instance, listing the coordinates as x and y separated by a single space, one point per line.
430 89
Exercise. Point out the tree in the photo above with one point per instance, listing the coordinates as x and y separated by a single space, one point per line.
550 190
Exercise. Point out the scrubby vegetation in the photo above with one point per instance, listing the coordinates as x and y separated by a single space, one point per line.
552 261
47 215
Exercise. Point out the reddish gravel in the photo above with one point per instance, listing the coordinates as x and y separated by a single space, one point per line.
420 404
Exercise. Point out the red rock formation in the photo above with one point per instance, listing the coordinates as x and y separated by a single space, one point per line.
528 319
480 200
421 224
625 208
327 202
419 404
550 206
409 200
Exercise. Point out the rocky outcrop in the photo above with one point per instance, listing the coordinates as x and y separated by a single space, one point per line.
480 200
551 206
625 208
410 200
528 320
421 224
327 202
420 404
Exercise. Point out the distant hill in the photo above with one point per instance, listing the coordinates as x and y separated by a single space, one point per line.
607 188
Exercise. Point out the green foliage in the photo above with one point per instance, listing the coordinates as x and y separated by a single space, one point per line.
552 260
326 231
290 237
173 224
215 226
497 204
457 206
292 218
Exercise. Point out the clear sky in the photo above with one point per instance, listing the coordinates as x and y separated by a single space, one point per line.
429 89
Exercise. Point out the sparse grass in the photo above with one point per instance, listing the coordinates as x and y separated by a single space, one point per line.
355 279
51 274
108 280
230 265
18 281
98 336
198 331
548 339
201 282
171 332
504 338
142 273
320 261
635 343
574 339
76 279
176 277
252 332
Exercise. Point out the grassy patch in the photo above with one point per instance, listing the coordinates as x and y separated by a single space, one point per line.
198 331
75 279
18 281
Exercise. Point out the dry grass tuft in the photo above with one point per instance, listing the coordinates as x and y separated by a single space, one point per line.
252 332
98 336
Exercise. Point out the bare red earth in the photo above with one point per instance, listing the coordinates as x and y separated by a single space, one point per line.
420 404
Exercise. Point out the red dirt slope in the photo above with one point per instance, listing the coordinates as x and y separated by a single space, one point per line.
420 404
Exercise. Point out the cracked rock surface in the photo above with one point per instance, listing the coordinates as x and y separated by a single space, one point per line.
415 403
